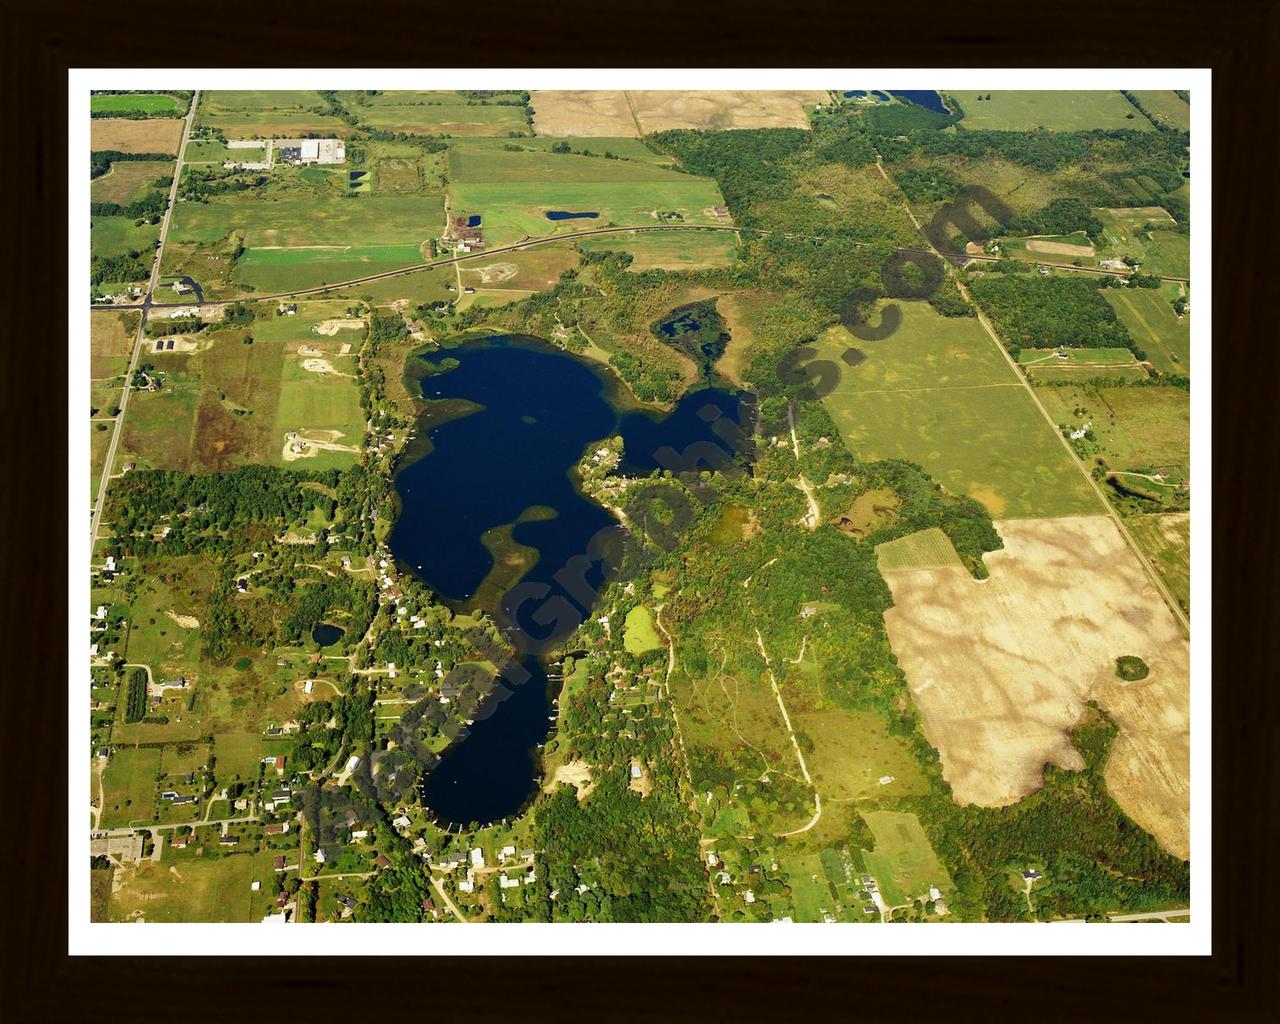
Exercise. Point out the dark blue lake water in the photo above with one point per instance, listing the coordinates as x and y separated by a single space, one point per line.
927 98
504 471
325 634
567 215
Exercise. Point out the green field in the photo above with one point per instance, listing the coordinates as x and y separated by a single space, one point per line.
311 401
640 636
903 862
623 148
925 549
129 786
1080 364
128 180
1160 250
184 887
472 164
1057 110
279 270
671 250
424 112
1166 106
267 113
287 222
939 392
1149 316
115 236
147 102
512 210
1166 540
1136 427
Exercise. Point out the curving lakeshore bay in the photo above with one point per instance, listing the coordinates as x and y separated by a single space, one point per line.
491 511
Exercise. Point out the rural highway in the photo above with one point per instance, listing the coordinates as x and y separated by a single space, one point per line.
140 339
530 243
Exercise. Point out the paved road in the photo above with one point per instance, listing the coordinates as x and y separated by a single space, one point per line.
530 243
152 827
140 339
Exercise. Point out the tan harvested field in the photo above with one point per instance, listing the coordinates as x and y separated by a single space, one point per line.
603 113
1000 669
156 135
1059 248
722 109
582 112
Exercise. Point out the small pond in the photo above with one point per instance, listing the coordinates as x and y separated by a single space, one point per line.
326 635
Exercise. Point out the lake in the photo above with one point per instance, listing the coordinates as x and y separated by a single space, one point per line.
930 99
489 501
566 215
325 635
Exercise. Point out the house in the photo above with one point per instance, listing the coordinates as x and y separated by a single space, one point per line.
180 842
347 902
506 882
229 839
382 861
255 886
934 894
179 800
1031 874
110 564
360 835
277 828
168 794
477 858
505 852
401 822
466 885
319 857
280 862
101 613
749 896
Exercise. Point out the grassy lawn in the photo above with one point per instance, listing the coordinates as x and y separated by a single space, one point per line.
1166 540
1146 234
1080 364
1148 313
115 236
369 221
420 112
147 102
127 180
674 250
903 862
641 636
312 401
1136 428
621 147
129 786
196 888
470 164
939 393
1057 110
1166 106
267 113
517 208
280 270
110 343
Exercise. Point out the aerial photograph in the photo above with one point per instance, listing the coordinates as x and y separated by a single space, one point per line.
634 506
